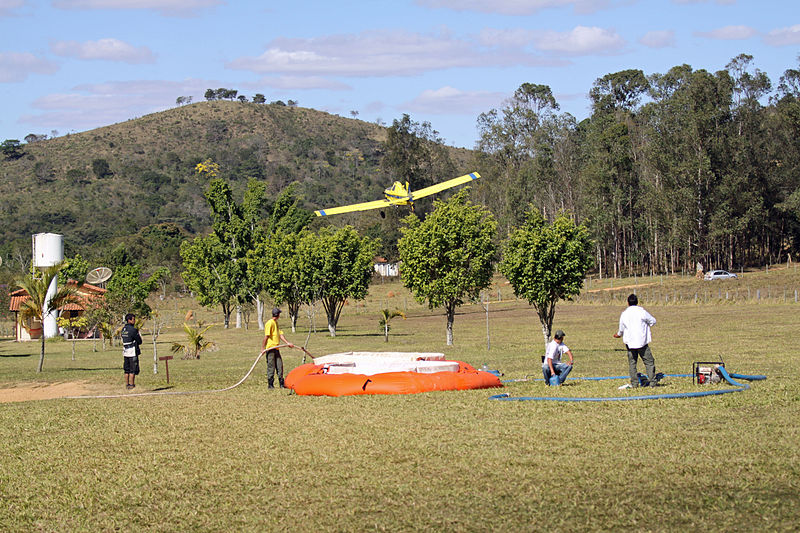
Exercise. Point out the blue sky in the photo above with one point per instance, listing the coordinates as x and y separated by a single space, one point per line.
73 65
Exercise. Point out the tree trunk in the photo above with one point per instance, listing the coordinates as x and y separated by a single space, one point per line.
155 353
451 313
41 356
238 317
294 313
545 334
332 308
226 314
546 313
260 313
386 331
488 338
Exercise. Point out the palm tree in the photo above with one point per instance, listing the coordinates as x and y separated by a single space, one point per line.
195 342
386 316
36 306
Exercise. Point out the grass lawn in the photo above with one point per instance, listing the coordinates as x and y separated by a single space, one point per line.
253 460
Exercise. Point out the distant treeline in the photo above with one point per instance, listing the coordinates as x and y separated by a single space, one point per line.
670 169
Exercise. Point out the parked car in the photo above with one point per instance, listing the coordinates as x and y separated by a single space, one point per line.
719 274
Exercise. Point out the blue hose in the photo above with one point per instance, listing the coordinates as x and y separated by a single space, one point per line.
602 378
722 371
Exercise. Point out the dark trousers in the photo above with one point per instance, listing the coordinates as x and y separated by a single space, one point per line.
647 358
274 361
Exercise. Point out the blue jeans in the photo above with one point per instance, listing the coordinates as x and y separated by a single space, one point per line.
562 371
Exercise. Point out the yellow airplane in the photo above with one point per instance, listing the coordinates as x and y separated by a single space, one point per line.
398 194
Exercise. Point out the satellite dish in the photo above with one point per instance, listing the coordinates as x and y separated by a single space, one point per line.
98 275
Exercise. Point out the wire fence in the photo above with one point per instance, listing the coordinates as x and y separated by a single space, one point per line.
714 295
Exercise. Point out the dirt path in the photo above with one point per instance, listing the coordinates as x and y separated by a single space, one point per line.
623 287
46 391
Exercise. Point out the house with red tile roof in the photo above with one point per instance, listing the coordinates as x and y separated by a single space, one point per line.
32 329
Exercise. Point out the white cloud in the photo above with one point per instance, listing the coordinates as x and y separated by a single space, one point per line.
506 38
178 8
7 7
300 83
783 36
658 39
378 53
95 105
104 49
728 33
449 100
581 40
518 7
17 66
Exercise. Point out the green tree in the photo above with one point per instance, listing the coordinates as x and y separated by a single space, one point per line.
195 344
74 325
342 266
518 147
274 265
687 125
215 267
448 258
415 153
75 268
547 262
37 306
101 168
612 174
209 274
286 214
11 149
386 317
127 292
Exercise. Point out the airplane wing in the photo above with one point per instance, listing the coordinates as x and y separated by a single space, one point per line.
377 204
433 189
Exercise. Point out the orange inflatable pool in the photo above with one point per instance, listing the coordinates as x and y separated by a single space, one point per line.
354 373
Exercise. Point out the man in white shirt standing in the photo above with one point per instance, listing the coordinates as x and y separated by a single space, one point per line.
634 328
552 365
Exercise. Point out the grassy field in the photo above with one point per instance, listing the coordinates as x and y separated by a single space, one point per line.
253 460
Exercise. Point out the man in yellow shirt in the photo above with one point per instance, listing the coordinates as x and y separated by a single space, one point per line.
272 338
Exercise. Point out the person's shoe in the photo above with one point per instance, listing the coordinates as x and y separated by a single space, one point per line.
626 386
282 385
128 386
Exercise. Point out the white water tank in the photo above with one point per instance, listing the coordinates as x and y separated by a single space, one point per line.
48 250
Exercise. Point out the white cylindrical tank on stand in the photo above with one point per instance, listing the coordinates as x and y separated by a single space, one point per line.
48 250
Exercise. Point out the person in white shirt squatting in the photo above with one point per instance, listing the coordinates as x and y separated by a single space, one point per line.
555 372
634 328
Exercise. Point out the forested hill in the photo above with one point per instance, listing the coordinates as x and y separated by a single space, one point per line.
98 186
